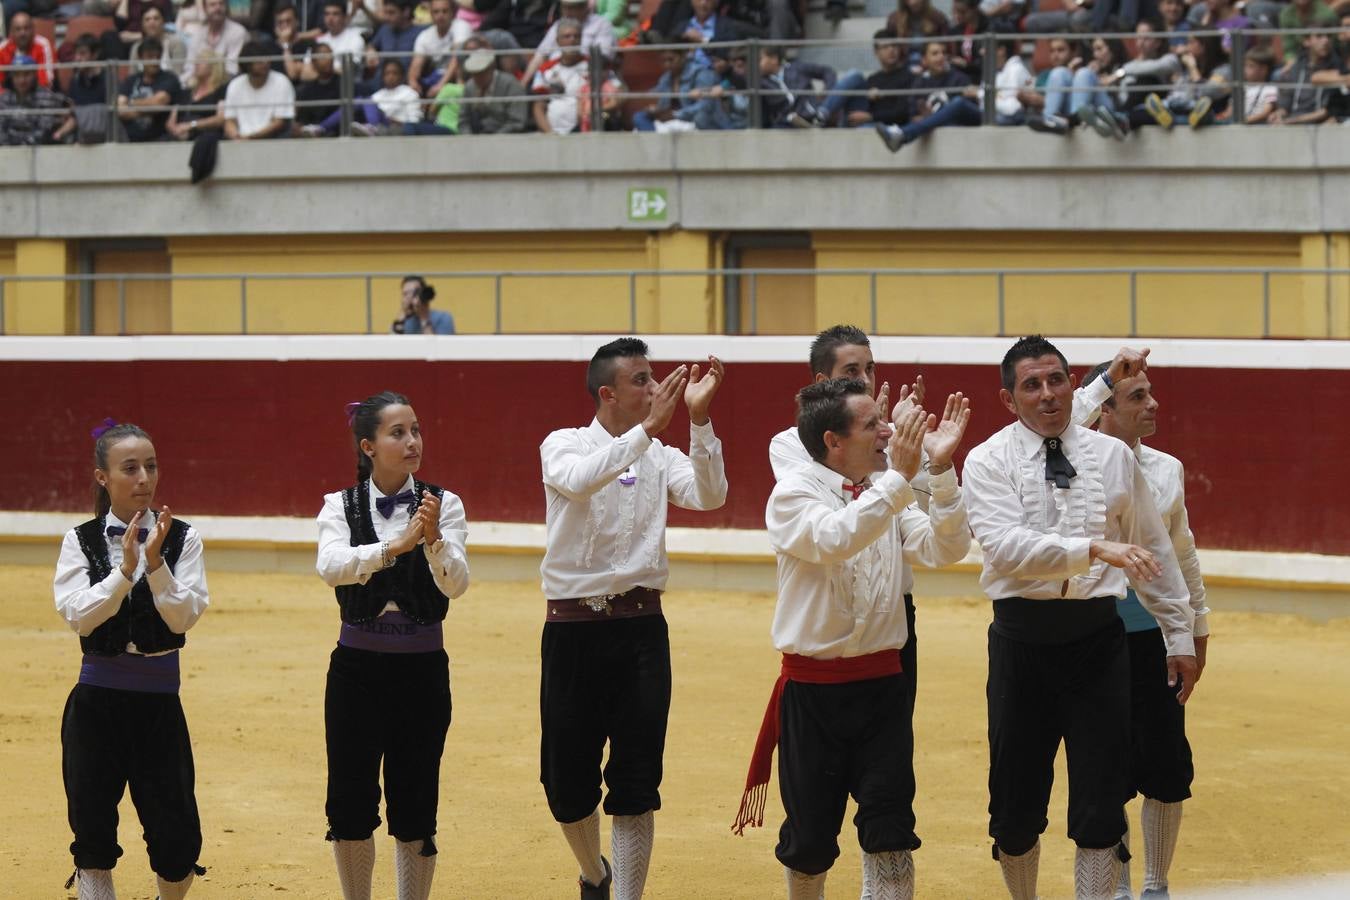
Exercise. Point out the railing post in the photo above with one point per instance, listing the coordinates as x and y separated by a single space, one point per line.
370 311
347 84
597 76
1002 322
497 303
1237 102
989 76
2 306
872 292
1265 304
754 302
243 304
632 303
121 306
110 90
1134 304
752 77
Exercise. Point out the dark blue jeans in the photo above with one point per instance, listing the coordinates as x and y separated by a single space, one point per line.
957 111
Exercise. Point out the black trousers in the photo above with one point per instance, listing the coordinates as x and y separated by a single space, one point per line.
1160 756
111 739
604 681
838 740
909 654
1038 695
390 708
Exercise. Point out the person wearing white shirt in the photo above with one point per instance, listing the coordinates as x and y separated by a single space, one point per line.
217 33
840 715
1160 759
130 582
605 648
260 103
597 36
429 71
349 46
392 548
1065 517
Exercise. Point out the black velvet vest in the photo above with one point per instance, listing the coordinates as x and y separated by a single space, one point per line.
136 621
407 583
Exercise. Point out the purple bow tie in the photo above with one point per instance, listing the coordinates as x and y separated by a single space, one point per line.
117 531
387 503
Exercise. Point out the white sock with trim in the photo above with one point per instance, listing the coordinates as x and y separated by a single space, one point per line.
355 866
584 839
174 890
414 870
1020 872
630 842
805 887
1123 890
94 884
1095 873
1162 824
889 875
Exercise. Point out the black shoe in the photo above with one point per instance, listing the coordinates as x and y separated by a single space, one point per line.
891 136
1049 125
597 891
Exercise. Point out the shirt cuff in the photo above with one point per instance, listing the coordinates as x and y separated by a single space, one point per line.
639 439
117 584
1097 393
1080 555
703 433
895 489
1179 644
944 487
159 580
1202 624
369 559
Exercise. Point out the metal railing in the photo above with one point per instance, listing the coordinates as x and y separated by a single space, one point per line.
743 292
600 71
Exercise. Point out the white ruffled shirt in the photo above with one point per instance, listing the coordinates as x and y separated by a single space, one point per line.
1036 536
180 595
1167 480
844 564
607 499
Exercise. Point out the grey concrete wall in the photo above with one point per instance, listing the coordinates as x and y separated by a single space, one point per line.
1219 179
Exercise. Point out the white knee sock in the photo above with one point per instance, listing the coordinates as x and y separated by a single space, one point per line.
584 839
630 843
414 870
1123 891
1020 872
174 890
1162 824
355 865
805 887
1095 873
95 884
889 875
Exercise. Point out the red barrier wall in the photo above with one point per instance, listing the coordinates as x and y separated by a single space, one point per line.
269 437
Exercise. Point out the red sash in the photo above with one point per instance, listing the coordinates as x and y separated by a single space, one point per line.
806 670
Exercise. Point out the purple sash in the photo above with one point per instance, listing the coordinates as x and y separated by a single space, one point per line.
392 632
132 672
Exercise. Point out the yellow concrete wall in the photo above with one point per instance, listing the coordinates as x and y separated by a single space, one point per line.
40 307
1175 305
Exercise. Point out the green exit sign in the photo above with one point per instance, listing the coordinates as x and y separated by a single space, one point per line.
647 204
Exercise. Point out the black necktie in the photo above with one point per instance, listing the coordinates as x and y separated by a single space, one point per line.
1057 466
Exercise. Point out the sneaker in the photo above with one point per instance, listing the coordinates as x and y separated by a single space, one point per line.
1159 111
1099 120
361 129
1049 124
1200 112
1119 125
892 136
597 891
797 121
312 131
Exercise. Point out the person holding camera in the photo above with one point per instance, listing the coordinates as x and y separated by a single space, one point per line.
417 316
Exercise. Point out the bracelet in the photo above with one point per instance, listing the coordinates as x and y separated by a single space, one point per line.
938 469
385 562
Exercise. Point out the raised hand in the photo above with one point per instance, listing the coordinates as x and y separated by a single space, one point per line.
412 535
944 437
1128 363
430 511
700 391
664 403
131 548
910 395
907 442
884 401
1140 564
154 541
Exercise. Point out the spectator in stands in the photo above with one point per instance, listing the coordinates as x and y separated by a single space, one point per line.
894 75
1260 98
31 113
345 40
773 19
1013 78
949 99
259 103
24 41
789 100
1005 16
1343 39
564 81
88 86
446 108
1307 99
597 36
1048 101
1302 14
617 13
969 24
398 107
1113 15
151 86
507 114
396 37
1091 103
174 59
432 51
1071 16
200 108
287 42
1205 84
1154 65
417 316
219 34
119 43
1173 15
916 19
1336 82
704 26
1225 16
694 104
320 98
529 21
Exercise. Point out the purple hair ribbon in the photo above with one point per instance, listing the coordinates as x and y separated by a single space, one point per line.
351 409
107 423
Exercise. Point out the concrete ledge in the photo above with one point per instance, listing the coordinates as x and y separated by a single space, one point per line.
1228 179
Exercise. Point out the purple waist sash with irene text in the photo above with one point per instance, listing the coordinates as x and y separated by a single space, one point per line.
132 672
392 632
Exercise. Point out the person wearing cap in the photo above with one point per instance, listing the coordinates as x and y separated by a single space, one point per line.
25 41
597 36
31 113
504 110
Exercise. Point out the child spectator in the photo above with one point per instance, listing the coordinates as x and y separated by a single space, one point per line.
879 106
1013 78
1260 97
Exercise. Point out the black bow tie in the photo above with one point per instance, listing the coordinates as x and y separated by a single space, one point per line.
1057 466
117 531
387 503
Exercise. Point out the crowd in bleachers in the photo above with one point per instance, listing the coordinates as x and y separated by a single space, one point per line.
251 69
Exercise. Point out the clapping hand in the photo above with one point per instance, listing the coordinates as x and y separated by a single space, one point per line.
131 548
430 513
663 404
910 395
943 437
699 392
154 542
907 442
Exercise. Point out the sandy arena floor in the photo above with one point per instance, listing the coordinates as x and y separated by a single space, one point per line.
1268 724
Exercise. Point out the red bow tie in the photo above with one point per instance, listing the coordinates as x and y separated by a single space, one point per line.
856 489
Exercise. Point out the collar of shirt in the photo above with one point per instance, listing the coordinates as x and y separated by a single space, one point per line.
376 493
598 434
831 480
1031 444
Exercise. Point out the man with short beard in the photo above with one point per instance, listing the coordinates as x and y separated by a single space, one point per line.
25 41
